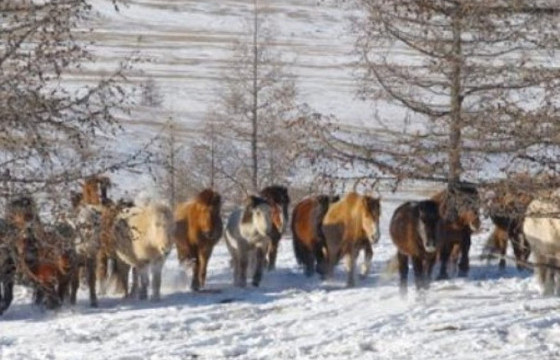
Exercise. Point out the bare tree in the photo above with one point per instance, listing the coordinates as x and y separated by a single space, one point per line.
475 83
48 130
257 101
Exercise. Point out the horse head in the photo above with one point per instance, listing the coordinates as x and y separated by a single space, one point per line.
258 213
21 211
370 218
460 205
162 227
428 216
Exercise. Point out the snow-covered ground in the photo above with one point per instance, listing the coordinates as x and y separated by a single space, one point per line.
488 315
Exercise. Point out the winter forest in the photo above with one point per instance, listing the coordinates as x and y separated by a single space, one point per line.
310 179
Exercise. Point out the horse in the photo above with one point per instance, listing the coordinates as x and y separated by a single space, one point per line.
86 232
542 229
351 224
142 238
7 265
276 196
308 238
43 256
248 233
506 210
198 228
413 231
458 219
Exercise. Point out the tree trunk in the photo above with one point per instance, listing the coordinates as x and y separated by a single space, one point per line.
455 126
254 119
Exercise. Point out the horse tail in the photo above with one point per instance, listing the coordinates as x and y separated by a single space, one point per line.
298 250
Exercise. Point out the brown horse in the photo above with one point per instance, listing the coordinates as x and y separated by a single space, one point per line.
45 258
198 228
507 211
308 239
413 231
459 218
277 196
350 225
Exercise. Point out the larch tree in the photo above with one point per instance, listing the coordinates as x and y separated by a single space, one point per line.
257 99
475 84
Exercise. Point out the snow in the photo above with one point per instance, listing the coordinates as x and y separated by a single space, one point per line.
491 314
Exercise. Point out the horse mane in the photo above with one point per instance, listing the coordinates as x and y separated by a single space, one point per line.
209 198
276 193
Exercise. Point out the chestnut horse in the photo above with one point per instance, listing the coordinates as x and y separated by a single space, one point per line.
507 210
198 228
542 229
413 231
459 218
276 196
308 239
248 233
350 225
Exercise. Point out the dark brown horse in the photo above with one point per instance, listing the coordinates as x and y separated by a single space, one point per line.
277 196
198 228
308 240
44 258
413 231
7 264
459 218
350 225
507 211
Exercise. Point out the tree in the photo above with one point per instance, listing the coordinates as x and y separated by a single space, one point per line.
48 129
474 82
257 99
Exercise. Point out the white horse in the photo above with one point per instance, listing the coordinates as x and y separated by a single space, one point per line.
143 237
248 233
542 230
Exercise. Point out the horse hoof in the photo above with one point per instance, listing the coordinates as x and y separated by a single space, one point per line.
443 277
94 305
463 274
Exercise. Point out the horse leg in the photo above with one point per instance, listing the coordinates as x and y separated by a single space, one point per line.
204 258
156 279
520 248
91 267
6 293
144 282
134 289
308 261
352 255
321 257
332 251
195 282
418 267
465 248
403 272
273 252
74 285
260 260
444 258
121 270
368 255
101 270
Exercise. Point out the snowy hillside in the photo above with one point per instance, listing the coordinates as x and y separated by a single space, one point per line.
490 315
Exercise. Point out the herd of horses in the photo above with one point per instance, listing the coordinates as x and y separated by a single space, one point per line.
103 243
